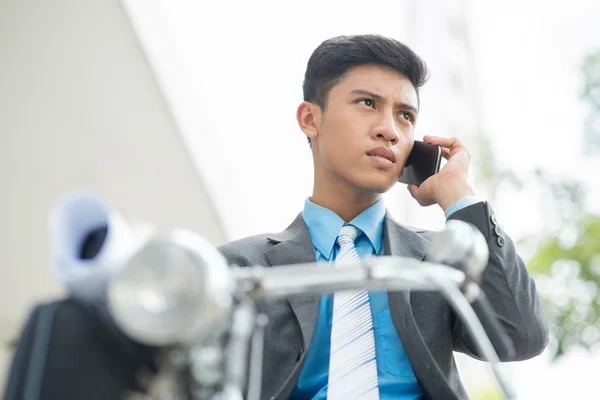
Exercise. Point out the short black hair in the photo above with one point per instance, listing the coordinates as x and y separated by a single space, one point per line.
334 57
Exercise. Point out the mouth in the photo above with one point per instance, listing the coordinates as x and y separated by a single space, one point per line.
383 153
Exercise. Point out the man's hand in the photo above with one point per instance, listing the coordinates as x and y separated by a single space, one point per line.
450 184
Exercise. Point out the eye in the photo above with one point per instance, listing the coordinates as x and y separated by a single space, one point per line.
367 102
407 116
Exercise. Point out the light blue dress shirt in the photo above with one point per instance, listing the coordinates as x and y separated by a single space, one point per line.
396 378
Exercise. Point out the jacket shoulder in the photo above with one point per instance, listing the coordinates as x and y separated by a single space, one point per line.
246 251
424 233
419 231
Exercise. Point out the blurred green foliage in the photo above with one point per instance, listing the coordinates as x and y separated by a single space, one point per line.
571 270
566 263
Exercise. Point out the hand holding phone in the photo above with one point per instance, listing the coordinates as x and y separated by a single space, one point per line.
423 162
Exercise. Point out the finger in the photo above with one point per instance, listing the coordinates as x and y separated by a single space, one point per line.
445 153
450 143
422 198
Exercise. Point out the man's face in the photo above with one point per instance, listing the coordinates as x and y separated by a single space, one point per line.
367 130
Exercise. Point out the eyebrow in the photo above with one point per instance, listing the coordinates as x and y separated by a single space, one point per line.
377 97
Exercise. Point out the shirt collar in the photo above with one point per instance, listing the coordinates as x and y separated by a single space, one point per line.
324 225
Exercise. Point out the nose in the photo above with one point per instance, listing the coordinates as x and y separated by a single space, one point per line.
386 129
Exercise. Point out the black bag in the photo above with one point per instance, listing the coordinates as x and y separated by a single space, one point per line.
66 351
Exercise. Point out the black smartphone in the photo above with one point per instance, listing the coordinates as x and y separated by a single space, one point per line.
423 161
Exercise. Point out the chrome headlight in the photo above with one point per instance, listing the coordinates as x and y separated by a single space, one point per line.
174 290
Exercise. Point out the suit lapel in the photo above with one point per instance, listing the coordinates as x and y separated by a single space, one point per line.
294 246
400 241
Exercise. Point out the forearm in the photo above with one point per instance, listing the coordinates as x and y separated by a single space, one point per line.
509 288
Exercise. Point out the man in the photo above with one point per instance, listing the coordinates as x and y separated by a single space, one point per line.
360 110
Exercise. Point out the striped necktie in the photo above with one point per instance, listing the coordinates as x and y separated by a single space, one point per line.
352 364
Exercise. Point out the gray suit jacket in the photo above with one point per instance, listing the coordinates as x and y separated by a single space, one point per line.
425 323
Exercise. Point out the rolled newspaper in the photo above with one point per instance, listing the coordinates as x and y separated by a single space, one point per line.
75 216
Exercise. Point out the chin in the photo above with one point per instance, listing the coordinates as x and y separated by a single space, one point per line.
378 184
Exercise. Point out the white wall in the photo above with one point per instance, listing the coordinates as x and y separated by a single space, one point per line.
79 106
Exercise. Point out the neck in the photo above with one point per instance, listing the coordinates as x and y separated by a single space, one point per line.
341 199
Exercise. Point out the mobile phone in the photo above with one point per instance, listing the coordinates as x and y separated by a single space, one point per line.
423 161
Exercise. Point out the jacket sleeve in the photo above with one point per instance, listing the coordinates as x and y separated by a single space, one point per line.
508 287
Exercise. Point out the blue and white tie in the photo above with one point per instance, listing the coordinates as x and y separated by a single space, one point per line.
352 364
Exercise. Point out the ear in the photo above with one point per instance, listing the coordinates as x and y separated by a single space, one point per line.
309 118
